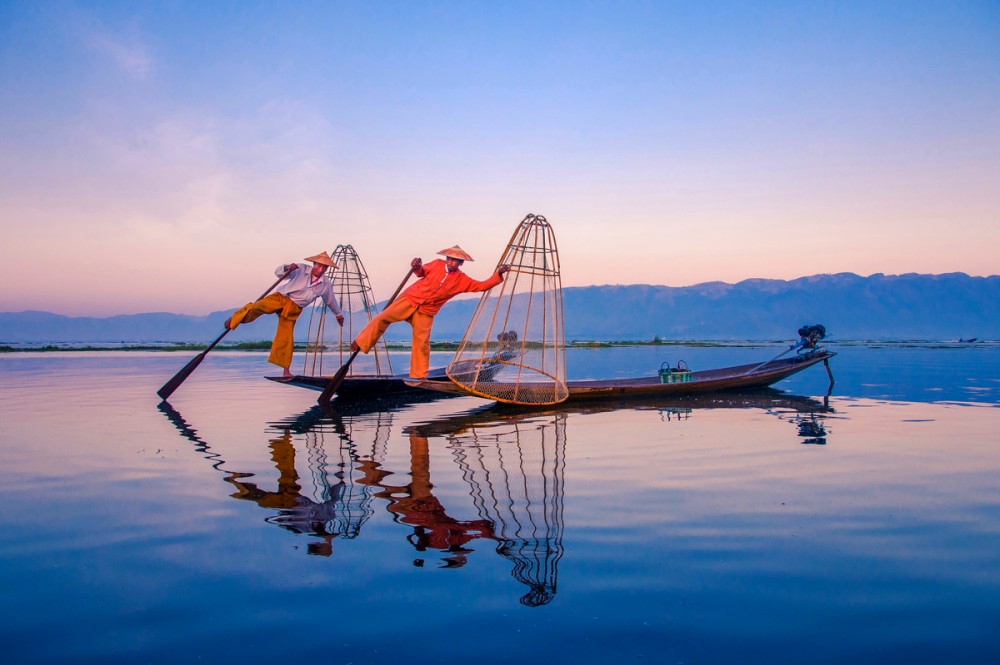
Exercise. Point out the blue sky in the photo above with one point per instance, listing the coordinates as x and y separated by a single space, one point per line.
165 156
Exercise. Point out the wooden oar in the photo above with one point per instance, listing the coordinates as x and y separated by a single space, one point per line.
173 384
338 378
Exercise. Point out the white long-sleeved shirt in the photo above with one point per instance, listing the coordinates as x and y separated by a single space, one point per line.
302 289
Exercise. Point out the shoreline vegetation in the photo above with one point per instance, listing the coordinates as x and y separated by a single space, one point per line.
453 346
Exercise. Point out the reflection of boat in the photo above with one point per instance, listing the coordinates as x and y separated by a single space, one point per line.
512 463
740 377
812 429
766 399
332 474
513 459
336 495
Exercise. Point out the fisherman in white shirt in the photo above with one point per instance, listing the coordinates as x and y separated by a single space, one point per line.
301 288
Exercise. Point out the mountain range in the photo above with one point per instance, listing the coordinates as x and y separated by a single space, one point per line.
878 307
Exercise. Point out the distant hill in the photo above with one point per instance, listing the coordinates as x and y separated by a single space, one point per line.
910 306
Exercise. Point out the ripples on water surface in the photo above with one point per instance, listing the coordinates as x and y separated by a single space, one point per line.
779 526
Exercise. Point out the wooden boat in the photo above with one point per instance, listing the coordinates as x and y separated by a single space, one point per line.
739 377
368 386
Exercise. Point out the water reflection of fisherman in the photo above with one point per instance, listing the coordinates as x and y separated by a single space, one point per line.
296 512
415 505
531 540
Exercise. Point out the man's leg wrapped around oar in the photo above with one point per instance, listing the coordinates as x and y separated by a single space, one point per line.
401 310
288 312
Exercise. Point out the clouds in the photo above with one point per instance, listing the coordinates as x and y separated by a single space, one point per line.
771 141
127 51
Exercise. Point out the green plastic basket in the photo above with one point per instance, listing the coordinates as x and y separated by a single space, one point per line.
677 374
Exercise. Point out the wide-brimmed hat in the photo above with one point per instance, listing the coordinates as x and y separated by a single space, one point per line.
456 252
322 258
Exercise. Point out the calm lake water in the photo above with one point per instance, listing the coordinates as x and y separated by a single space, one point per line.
239 521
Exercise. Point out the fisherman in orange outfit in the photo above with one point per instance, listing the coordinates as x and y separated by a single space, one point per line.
302 286
440 281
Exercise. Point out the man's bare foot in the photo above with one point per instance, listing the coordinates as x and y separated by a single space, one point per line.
287 375
225 324
354 347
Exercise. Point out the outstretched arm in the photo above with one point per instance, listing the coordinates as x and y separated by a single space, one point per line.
487 284
285 269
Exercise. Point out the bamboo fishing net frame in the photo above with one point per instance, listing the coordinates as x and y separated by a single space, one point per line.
356 299
527 363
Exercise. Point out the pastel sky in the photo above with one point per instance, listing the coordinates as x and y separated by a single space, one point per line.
166 156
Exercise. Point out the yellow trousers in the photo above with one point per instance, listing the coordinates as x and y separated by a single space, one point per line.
284 338
420 347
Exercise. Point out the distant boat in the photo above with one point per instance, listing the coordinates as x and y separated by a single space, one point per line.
970 340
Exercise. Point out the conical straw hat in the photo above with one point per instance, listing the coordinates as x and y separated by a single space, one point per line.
456 252
322 258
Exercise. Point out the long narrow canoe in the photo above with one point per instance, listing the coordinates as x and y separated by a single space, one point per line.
740 377
365 386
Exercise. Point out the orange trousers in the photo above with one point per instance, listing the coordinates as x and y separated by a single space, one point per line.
284 338
420 347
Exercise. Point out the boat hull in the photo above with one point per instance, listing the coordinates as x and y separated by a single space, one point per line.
364 386
740 377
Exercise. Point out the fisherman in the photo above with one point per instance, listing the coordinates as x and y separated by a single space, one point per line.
301 288
439 281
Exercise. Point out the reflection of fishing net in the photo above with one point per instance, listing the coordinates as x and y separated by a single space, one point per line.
354 294
515 471
330 497
513 350
330 501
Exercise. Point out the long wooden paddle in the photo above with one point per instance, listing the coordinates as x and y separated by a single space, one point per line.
173 384
338 378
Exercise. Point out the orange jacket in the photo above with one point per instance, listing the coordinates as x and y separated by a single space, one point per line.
437 286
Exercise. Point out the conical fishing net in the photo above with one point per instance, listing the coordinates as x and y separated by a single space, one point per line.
329 344
513 350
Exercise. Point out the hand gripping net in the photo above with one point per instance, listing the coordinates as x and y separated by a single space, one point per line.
513 350
354 295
